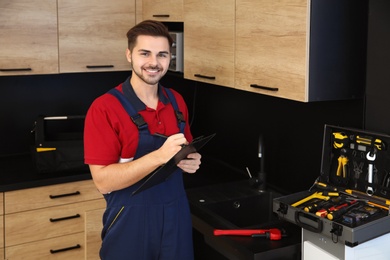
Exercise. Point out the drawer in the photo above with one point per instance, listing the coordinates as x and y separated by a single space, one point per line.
46 223
60 248
48 196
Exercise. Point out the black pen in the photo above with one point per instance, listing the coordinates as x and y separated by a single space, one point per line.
160 135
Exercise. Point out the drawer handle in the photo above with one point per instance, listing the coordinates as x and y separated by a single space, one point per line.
161 15
16 69
54 251
64 195
204 76
99 66
64 218
264 87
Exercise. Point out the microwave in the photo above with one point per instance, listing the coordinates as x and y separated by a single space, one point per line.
177 52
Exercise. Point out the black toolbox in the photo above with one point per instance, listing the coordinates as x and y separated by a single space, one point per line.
58 144
349 201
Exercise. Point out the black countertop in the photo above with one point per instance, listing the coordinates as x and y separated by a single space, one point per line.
241 247
19 172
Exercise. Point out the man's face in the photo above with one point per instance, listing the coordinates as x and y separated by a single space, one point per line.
149 58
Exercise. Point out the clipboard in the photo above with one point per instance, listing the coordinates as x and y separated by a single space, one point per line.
162 173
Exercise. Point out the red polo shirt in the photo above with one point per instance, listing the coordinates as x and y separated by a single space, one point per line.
110 135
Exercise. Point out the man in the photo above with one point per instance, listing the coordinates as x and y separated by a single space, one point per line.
129 132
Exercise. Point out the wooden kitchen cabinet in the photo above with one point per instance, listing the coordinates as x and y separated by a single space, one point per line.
209 41
162 10
93 230
92 34
28 37
50 222
303 50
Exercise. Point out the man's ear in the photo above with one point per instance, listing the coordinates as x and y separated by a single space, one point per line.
128 55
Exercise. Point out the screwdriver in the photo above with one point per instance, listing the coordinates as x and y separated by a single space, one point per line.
340 210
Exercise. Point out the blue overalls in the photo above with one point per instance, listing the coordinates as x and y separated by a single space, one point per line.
155 223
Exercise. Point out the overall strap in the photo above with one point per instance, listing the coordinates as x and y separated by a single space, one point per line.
134 115
179 115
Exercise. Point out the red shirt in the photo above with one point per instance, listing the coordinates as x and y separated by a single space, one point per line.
109 133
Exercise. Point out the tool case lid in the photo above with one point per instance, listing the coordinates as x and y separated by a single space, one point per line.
349 156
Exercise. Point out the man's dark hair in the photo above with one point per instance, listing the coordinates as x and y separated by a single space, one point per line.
150 28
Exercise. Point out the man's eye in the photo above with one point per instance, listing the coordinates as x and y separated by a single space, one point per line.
144 54
163 55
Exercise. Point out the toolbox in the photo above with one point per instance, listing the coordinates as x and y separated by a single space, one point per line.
348 203
58 144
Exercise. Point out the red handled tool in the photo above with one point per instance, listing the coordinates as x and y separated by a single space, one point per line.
271 234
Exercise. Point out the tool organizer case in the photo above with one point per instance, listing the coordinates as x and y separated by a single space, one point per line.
349 201
58 144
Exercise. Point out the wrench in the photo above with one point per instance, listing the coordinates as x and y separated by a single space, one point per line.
370 159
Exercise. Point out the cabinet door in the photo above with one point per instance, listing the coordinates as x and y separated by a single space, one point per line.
28 37
163 10
49 196
92 34
93 230
209 41
271 51
58 248
40 224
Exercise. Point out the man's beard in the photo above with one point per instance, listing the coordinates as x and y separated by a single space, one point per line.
150 80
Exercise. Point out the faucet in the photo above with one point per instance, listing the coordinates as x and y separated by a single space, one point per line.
261 176
259 182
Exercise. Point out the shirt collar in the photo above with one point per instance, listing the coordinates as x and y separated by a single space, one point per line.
139 105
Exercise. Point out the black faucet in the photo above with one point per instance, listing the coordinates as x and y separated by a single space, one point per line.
261 176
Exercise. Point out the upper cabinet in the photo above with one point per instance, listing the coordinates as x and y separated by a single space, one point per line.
28 37
92 34
300 49
39 37
209 41
162 10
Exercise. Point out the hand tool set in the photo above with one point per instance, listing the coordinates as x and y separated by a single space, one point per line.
349 201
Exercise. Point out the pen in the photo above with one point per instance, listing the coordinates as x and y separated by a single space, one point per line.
160 135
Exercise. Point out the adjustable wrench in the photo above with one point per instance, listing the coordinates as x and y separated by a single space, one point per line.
370 159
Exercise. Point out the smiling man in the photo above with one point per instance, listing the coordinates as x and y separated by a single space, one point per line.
124 142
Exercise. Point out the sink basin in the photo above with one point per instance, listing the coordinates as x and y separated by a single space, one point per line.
234 205
245 212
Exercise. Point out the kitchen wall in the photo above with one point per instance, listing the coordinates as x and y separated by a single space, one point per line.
292 130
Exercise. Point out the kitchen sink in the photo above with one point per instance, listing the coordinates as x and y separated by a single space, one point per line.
231 205
247 211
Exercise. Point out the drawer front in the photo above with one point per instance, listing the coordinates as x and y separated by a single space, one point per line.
52 222
59 248
48 196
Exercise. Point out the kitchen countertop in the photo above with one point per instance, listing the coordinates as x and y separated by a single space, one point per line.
241 247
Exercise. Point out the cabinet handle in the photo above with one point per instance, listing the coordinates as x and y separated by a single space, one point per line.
204 76
64 195
99 66
161 15
264 87
64 218
54 251
16 69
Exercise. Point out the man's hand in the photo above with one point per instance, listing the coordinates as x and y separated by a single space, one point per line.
171 146
191 163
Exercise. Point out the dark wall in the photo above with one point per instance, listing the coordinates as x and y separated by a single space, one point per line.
292 132
378 67
23 98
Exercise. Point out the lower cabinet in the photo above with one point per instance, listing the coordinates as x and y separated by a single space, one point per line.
58 231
